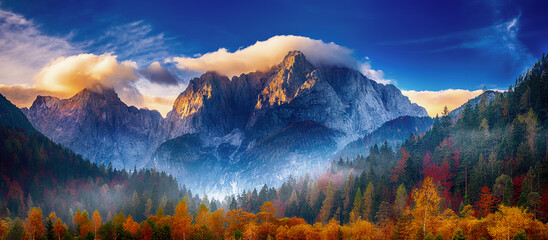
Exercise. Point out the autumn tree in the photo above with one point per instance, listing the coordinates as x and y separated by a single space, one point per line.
145 231
4 229
328 203
202 215
508 221
216 223
267 213
35 225
368 201
399 169
401 200
426 207
131 226
181 221
59 229
81 222
486 203
96 222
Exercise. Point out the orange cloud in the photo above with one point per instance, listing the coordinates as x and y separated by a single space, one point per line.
435 101
23 95
69 75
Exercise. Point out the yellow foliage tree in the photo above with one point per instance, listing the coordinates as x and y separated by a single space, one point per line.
426 208
508 221
4 229
251 231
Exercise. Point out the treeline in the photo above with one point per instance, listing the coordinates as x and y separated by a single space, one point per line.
35 172
423 219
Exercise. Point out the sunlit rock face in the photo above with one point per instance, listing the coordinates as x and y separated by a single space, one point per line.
98 125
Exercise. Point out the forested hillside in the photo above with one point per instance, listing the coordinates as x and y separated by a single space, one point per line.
36 172
482 176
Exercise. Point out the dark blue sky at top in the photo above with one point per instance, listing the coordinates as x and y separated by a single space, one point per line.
423 45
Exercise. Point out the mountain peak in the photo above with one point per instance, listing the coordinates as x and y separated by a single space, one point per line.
97 92
294 58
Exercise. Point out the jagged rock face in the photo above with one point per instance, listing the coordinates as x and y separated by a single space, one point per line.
204 107
98 125
244 123
212 105
340 98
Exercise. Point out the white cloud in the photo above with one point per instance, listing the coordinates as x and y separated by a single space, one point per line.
263 55
376 75
435 101
24 49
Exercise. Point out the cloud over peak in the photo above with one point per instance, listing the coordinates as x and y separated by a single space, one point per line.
71 74
263 55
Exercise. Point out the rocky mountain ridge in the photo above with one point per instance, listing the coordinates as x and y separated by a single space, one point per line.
228 129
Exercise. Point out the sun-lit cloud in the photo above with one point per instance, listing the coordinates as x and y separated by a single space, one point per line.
263 55
74 73
23 95
435 101
34 63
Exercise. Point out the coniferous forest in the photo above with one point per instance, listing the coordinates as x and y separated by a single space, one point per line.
481 175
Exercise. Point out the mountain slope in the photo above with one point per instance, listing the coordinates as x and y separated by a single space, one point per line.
98 125
11 116
394 132
484 98
34 169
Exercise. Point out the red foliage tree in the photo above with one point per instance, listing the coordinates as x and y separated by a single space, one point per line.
486 204
399 169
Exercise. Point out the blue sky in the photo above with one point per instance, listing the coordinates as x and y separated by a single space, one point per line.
419 45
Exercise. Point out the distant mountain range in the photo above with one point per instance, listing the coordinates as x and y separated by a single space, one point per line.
226 134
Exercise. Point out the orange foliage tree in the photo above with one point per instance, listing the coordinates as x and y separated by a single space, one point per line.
131 226
59 228
181 222
34 224
96 222
217 223
202 216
